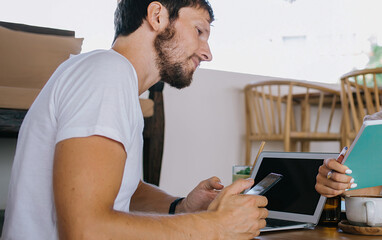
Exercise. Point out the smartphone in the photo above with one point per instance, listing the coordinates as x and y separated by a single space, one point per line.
264 185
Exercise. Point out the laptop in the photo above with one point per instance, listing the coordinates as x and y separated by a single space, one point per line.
293 203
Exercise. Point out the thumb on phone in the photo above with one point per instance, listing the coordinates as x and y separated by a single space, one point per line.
239 186
234 189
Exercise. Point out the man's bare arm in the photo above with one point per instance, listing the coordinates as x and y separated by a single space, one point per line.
87 176
149 198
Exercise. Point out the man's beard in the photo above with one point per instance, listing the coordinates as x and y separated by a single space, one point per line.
171 70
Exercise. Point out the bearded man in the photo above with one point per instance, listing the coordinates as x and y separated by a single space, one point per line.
77 168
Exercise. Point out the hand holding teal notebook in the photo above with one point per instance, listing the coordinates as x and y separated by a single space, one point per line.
364 157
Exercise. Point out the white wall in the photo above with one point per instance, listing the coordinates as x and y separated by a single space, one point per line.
205 130
204 133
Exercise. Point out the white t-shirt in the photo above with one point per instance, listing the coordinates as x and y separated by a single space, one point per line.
90 94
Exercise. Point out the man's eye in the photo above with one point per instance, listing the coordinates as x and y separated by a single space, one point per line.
199 31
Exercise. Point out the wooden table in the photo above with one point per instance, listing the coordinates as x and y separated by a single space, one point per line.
319 233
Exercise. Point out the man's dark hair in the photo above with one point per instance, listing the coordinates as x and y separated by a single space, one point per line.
130 14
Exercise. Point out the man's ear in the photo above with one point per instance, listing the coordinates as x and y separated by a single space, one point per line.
157 16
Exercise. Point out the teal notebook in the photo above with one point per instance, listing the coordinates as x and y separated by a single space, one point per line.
364 156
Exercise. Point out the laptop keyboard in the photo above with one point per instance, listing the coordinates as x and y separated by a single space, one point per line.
271 222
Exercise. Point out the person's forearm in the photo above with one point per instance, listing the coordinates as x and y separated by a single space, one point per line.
184 226
118 225
149 198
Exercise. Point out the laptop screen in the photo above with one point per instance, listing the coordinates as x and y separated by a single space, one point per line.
295 193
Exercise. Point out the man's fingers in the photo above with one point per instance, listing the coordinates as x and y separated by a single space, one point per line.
262 223
244 214
238 186
251 201
212 183
263 213
261 201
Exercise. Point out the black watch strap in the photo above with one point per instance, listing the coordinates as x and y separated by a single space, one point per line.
173 205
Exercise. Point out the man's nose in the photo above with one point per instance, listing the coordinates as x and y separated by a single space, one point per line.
205 52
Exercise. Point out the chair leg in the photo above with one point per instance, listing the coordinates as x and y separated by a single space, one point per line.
287 145
343 134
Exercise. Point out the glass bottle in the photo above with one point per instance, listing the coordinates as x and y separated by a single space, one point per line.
331 215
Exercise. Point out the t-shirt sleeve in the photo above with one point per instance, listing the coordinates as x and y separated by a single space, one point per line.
97 98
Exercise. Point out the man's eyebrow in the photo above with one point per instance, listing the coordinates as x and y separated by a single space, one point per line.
205 25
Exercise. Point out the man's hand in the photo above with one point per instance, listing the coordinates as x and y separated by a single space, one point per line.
338 181
239 216
201 196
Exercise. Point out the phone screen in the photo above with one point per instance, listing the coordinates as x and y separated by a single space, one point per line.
264 185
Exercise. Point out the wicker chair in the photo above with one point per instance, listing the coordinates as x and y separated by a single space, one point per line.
272 108
360 96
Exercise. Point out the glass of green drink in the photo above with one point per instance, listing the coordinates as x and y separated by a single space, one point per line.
240 171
